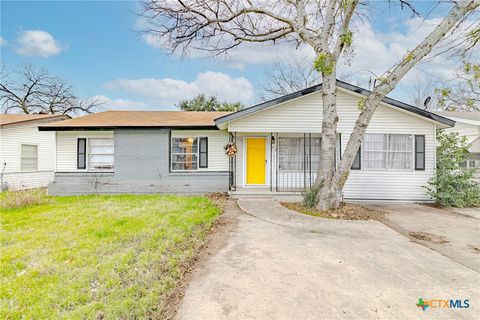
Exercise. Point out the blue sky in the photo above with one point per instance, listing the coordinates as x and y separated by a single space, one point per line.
95 46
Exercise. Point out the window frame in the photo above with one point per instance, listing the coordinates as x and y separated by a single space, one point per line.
84 154
387 151
197 153
88 155
416 152
37 164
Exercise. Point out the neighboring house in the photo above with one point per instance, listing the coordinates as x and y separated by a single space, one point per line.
467 124
277 143
27 156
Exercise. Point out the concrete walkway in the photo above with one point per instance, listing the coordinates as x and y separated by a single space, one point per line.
275 264
454 233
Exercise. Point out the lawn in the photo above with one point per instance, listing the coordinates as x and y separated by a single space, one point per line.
98 257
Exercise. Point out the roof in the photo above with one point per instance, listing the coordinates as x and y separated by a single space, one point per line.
470 116
341 84
114 119
18 119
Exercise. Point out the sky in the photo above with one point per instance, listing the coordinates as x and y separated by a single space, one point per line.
97 47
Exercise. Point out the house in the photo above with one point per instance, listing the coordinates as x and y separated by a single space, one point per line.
468 125
275 147
27 156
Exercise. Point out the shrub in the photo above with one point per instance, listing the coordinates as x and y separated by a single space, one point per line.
22 198
310 197
453 184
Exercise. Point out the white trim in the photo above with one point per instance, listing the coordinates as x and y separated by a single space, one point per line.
38 154
267 163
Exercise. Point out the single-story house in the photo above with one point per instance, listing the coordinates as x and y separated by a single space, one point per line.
467 124
27 156
273 146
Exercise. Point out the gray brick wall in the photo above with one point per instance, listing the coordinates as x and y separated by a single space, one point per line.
141 166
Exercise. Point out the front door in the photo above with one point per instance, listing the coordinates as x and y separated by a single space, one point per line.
256 161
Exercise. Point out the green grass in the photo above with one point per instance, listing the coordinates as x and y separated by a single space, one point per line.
98 256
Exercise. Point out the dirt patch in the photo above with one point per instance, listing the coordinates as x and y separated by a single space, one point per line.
346 211
213 242
430 237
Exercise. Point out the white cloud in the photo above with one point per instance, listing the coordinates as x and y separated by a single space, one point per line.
38 43
167 92
2 41
109 103
246 53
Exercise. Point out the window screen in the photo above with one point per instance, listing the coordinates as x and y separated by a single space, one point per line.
101 154
81 153
419 152
29 157
203 153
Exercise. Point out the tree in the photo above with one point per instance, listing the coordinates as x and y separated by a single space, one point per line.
286 77
203 103
453 184
464 95
34 90
217 26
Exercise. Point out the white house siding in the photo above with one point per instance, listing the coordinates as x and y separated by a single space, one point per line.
67 148
11 139
217 140
304 115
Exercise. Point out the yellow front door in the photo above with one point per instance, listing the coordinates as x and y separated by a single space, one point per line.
256 160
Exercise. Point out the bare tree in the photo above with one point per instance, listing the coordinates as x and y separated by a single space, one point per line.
422 94
463 92
325 25
286 77
34 90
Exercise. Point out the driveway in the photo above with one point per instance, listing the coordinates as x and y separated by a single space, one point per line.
276 264
454 233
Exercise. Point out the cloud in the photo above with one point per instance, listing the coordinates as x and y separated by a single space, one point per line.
38 43
167 92
244 54
109 103
2 41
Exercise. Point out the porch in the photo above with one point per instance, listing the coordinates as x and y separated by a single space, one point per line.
275 163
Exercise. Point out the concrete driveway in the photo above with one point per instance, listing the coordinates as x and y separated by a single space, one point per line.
454 233
275 264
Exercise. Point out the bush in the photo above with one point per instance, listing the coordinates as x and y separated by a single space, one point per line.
453 184
310 197
22 198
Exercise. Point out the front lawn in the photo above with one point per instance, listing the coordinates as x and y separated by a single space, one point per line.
98 257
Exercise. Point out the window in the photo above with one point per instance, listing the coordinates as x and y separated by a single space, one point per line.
357 162
419 152
203 152
293 153
100 154
81 153
184 154
29 157
387 151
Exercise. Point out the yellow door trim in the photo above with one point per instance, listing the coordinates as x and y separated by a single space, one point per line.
256 159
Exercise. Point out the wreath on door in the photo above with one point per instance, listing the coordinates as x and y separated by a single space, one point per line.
231 149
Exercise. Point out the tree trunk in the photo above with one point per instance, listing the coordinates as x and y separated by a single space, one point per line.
327 196
332 180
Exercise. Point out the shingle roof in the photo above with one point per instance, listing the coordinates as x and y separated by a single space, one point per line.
138 119
13 119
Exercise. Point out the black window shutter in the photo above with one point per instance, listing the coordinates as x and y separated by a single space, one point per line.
357 162
81 153
203 153
419 152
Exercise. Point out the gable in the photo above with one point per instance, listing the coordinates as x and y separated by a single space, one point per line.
305 114
347 88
